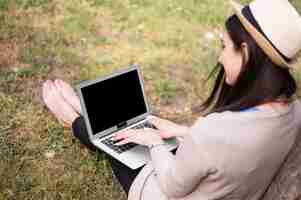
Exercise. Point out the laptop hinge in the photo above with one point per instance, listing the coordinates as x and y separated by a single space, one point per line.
121 125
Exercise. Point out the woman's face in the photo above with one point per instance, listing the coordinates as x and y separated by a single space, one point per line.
231 59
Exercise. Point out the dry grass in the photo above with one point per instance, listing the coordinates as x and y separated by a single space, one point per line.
174 42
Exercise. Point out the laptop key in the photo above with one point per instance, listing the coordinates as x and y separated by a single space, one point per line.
122 148
145 125
119 149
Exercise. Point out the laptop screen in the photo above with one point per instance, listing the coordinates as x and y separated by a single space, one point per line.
113 101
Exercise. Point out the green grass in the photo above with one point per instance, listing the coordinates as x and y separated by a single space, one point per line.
174 41
5 4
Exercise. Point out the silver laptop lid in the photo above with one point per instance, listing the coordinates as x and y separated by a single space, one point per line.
113 102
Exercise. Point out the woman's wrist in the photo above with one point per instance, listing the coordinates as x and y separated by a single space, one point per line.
155 145
182 131
159 141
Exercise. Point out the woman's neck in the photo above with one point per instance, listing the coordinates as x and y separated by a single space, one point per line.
274 105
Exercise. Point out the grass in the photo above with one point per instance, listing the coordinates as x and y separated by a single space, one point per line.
175 42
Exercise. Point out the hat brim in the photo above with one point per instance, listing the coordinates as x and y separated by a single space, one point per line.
261 41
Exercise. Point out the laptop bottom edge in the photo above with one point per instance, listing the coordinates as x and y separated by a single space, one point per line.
135 157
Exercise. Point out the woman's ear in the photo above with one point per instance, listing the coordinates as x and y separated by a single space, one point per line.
245 52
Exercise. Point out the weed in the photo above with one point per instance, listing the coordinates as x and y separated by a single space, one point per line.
166 89
78 40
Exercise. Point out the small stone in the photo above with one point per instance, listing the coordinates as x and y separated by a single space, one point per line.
209 36
49 154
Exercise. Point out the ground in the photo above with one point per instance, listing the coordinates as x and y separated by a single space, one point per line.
175 43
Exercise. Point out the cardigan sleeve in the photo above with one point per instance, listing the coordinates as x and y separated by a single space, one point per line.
178 175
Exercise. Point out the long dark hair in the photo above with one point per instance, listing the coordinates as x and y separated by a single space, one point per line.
259 81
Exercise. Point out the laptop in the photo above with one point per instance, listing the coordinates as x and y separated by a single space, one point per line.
113 103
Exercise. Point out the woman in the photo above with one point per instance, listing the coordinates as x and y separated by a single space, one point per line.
252 117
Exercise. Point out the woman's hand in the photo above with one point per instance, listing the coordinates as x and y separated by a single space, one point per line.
168 129
146 137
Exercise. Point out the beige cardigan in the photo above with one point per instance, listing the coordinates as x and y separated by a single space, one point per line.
228 155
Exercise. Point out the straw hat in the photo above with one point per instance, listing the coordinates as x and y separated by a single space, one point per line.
275 25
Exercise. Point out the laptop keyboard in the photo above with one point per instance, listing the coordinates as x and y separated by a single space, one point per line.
122 148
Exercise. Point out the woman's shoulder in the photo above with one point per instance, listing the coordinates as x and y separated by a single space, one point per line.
246 119
261 112
211 125
219 118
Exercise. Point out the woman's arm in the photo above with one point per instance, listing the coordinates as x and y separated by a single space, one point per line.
179 174
168 129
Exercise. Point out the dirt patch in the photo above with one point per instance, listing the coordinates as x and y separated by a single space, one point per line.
9 54
179 108
180 73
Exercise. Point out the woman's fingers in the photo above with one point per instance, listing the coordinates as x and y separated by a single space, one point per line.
155 121
126 136
122 135
124 141
139 136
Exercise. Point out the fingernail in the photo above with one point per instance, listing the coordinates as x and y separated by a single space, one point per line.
115 137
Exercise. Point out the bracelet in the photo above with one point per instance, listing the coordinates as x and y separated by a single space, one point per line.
155 145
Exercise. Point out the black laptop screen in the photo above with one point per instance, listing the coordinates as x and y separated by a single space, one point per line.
113 101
